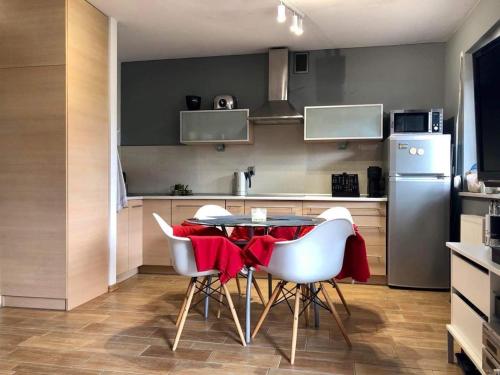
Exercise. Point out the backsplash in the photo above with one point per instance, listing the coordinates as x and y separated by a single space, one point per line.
283 162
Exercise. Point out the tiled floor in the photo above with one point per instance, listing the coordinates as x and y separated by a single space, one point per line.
130 331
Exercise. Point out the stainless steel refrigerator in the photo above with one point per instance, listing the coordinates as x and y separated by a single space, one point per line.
419 210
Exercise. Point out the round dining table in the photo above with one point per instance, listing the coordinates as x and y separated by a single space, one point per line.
272 221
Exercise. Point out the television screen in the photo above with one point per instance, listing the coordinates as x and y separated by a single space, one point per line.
486 62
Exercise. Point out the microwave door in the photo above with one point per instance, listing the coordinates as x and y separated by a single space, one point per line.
411 122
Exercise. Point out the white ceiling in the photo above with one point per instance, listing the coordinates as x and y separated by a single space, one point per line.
156 29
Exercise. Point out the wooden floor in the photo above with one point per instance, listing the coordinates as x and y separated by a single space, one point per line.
130 331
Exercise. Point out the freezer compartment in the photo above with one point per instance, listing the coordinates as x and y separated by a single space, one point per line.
419 155
417 231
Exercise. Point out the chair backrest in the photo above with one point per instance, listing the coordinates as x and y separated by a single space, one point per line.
336 213
315 257
181 250
210 210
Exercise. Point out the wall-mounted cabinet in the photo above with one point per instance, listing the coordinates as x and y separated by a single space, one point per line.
343 123
215 126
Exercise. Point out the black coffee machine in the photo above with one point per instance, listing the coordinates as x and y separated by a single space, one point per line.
375 186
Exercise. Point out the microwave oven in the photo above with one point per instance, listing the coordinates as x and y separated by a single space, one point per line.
417 121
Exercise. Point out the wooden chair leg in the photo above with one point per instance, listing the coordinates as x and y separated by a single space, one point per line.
184 314
296 311
275 294
221 297
337 287
335 315
238 285
233 313
305 293
259 292
181 310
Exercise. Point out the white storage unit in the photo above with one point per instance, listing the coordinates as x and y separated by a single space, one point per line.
343 122
472 229
475 281
215 126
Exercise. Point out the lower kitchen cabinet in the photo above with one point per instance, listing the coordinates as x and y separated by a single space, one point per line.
370 217
236 207
275 207
135 236
156 249
122 242
185 209
129 238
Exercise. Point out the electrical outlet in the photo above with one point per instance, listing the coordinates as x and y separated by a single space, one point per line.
251 170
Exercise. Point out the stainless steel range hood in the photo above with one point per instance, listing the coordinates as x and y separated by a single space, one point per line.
277 110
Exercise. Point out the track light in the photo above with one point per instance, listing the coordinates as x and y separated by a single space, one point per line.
281 13
299 30
295 23
297 19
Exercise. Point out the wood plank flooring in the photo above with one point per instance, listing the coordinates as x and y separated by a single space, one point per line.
131 330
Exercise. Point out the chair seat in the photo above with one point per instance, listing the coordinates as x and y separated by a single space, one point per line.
298 279
204 273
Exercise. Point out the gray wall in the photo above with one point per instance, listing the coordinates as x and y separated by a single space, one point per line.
409 76
153 92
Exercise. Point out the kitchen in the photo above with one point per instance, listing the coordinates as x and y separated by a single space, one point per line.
245 125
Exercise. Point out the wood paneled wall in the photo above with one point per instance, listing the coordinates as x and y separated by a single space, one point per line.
88 151
32 33
32 149
54 151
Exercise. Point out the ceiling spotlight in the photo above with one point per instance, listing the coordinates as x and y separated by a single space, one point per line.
281 13
295 23
299 30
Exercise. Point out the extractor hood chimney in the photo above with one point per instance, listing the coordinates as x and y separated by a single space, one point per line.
277 110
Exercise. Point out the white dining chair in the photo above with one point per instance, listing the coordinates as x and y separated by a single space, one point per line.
337 213
183 262
313 258
332 214
210 210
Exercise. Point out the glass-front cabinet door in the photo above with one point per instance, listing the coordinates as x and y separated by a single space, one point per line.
215 126
343 122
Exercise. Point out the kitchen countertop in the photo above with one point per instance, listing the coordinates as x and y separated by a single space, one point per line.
479 195
282 197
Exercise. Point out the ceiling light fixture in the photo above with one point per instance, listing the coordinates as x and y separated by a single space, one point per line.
300 30
295 23
297 19
281 13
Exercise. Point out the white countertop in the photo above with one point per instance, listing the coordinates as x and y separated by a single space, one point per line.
479 195
274 197
479 254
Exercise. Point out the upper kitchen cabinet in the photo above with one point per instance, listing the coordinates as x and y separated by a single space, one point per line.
343 122
215 126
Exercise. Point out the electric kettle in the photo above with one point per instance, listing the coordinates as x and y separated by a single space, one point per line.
242 181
